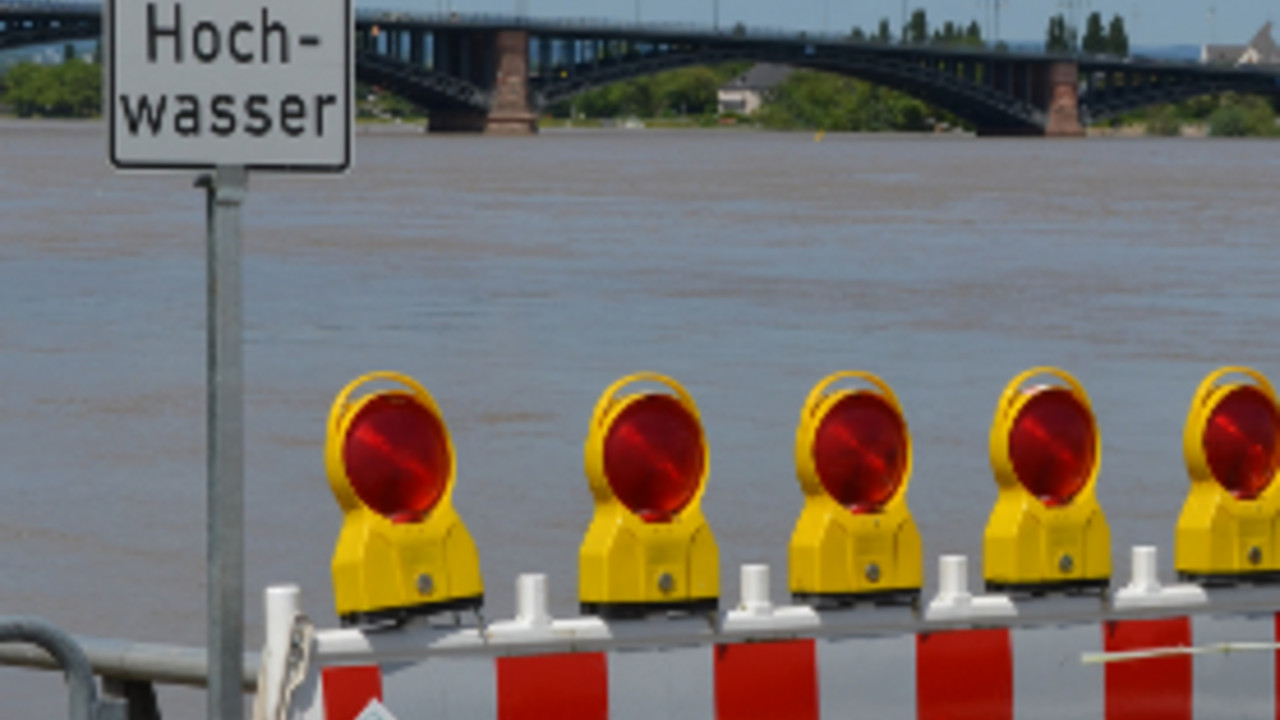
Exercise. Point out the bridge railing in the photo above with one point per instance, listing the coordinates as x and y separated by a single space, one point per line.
500 20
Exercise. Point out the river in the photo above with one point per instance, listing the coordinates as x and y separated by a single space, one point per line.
517 278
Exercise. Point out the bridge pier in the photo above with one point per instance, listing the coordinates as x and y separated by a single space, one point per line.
1064 101
510 112
1051 87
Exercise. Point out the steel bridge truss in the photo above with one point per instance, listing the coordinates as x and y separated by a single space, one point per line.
440 67
1112 89
27 25
981 91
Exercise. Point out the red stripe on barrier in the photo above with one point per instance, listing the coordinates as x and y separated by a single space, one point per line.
767 680
573 686
348 690
1151 687
964 674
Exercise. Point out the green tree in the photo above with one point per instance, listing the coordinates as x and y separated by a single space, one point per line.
72 89
691 91
917 30
815 100
1230 121
688 91
884 35
23 83
948 34
1117 38
857 35
1060 37
1164 123
68 53
1239 116
973 35
1095 41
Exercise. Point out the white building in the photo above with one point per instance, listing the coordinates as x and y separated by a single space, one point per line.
747 92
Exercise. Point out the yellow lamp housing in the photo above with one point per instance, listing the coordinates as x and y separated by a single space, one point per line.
403 549
1047 532
1227 532
649 548
855 540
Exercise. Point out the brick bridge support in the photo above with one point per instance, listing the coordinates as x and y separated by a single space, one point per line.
1053 87
1064 101
511 113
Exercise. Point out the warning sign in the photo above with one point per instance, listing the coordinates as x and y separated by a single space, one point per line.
266 84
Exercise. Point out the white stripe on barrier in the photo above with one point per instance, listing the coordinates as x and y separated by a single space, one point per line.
675 683
1048 679
452 688
867 677
1233 684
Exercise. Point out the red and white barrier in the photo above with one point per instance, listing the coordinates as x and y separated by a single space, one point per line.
1147 652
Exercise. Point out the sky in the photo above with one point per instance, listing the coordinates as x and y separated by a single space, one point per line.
1150 22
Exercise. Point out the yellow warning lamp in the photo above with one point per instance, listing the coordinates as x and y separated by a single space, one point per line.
1227 530
855 540
1046 531
403 550
648 549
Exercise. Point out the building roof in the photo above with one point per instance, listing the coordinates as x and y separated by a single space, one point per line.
1222 54
1261 50
1265 45
762 76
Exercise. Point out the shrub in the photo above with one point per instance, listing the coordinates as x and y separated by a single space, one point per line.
1229 121
1164 123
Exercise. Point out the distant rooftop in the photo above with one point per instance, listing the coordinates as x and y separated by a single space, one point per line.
1261 50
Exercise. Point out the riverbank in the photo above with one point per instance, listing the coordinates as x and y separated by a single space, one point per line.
417 126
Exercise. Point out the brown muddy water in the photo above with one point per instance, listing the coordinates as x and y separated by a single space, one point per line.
518 277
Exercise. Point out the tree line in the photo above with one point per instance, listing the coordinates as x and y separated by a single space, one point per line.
918 32
1111 39
71 89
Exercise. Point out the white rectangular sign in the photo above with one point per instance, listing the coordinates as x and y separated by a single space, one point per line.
267 84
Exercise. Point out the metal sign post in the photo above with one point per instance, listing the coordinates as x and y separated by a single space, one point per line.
228 86
224 193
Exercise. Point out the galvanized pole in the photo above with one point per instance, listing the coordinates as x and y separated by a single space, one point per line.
224 192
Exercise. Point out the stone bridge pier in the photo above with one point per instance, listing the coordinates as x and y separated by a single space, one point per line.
1050 87
498 61
1064 101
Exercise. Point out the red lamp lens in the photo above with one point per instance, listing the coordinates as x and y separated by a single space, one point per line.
1240 442
1053 446
397 457
654 457
860 452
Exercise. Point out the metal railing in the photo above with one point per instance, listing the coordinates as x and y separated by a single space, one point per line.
129 669
65 654
128 660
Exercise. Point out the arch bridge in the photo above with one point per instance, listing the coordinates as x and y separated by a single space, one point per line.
496 73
